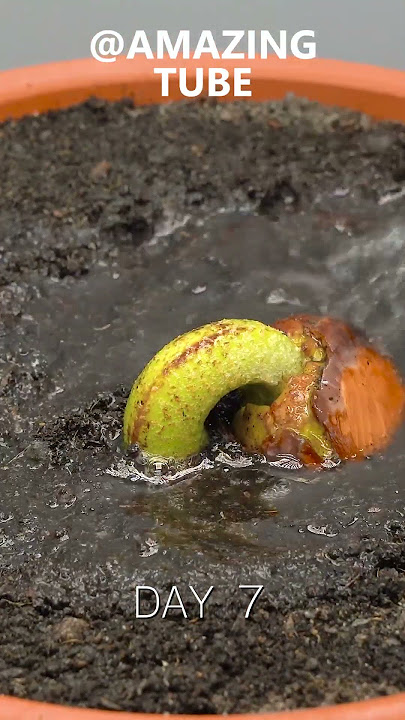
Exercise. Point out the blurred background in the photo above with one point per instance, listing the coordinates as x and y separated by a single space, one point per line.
37 31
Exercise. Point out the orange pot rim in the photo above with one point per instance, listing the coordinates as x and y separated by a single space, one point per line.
376 91
380 92
383 708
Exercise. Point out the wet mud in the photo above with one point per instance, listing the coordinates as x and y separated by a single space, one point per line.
119 231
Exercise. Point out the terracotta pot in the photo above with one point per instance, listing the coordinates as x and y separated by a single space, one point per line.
373 90
388 708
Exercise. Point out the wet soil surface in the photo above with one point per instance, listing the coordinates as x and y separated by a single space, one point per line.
121 227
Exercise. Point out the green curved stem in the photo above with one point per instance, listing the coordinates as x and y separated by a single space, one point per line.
172 397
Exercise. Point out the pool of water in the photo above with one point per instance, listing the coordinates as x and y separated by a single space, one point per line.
98 332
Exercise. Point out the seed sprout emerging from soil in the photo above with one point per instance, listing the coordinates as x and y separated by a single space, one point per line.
309 387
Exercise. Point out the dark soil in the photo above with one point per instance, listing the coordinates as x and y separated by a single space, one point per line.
121 227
